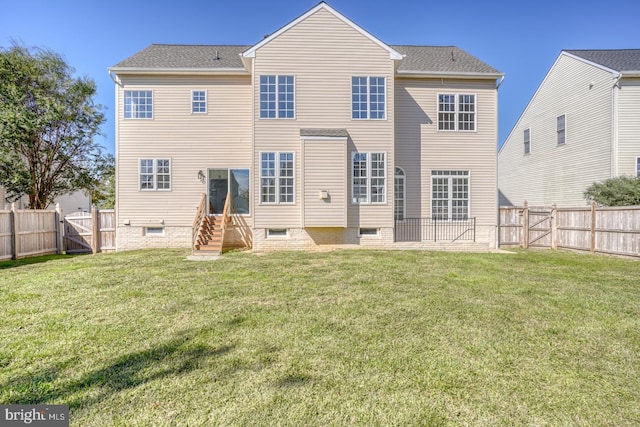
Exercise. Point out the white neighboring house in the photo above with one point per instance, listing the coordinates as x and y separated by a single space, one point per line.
581 126
77 201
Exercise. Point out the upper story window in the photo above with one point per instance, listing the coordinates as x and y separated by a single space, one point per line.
368 98
527 141
199 101
457 112
138 104
277 178
277 97
560 129
368 178
155 174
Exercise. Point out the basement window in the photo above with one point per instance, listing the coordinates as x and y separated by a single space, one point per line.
277 232
154 231
368 232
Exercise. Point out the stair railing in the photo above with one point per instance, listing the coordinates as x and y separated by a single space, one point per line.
197 222
226 218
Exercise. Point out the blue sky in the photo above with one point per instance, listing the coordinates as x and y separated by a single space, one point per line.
520 38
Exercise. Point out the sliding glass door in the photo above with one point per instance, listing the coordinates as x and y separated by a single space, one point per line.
225 181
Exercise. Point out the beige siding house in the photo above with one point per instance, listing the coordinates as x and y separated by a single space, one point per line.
581 126
320 135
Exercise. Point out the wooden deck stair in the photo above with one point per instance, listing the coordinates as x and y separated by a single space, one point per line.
209 238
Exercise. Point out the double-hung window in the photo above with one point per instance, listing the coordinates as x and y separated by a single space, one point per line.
155 174
527 141
457 112
368 178
199 101
277 178
138 104
277 97
368 98
449 195
561 129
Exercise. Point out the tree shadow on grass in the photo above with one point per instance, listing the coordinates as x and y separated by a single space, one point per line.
33 260
171 359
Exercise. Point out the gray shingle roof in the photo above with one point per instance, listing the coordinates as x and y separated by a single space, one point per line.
441 59
615 59
328 132
419 59
167 56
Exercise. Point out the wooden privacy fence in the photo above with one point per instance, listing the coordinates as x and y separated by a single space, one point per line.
614 230
25 233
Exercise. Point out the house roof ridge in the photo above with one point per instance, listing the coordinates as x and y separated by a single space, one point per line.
197 44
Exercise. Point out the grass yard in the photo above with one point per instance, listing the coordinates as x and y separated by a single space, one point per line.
338 338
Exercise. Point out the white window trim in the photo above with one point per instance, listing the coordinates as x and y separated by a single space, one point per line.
565 129
457 112
468 176
206 101
526 153
124 97
277 177
277 117
369 98
369 177
404 194
155 174
638 166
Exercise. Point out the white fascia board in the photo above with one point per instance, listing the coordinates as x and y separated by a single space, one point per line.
393 54
452 75
630 73
324 138
188 71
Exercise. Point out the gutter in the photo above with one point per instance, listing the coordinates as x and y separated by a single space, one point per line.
189 71
451 75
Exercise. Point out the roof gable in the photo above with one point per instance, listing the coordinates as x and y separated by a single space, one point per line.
393 54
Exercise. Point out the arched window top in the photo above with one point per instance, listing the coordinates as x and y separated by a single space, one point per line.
399 171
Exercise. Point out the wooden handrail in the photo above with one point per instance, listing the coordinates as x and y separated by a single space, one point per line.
197 222
226 217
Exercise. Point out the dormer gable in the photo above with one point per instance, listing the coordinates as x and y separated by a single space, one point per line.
251 52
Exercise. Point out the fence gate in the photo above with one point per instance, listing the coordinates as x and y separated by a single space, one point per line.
78 232
539 228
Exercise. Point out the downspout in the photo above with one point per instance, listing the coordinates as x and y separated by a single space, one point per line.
115 78
614 128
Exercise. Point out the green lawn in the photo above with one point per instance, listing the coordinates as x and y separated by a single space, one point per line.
337 338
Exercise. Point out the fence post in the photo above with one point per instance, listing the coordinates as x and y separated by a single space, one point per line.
593 227
525 225
14 232
554 226
95 229
59 230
